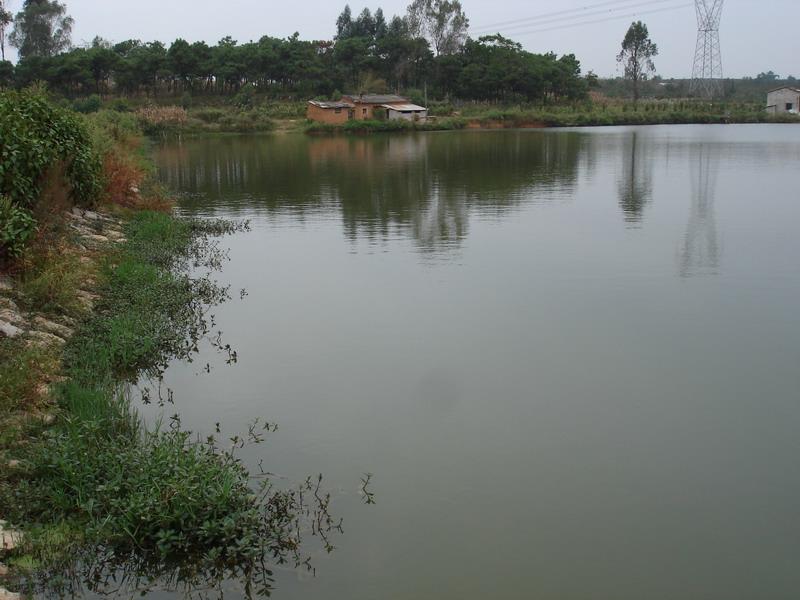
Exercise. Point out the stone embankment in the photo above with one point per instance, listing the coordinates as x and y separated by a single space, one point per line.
89 233
9 538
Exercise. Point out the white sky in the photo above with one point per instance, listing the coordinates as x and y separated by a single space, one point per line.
756 35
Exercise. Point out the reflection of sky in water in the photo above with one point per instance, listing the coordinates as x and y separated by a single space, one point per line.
564 387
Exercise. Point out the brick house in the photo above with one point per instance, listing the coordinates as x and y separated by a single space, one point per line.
367 104
363 107
333 113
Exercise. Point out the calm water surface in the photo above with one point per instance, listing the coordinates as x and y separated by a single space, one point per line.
570 358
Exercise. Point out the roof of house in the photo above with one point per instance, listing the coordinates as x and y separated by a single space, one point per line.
376 98
785 87
327 105
404 107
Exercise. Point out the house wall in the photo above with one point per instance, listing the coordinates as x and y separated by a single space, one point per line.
777 101
367 112
408 116
328 115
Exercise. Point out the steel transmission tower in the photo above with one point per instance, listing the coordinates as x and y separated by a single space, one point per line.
707 71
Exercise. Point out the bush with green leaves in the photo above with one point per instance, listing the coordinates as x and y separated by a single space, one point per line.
90 104
17 226
35 136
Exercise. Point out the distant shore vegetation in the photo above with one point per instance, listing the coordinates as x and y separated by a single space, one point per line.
426 54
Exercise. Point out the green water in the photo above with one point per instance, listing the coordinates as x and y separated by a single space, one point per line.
570 358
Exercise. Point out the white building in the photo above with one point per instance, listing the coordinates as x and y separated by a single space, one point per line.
408 112
784 99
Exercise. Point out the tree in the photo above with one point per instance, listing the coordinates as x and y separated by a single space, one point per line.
364 25
442 22
6 73
182 61
42 28
5 20
381 28
344 24
637 54
102 61
768 76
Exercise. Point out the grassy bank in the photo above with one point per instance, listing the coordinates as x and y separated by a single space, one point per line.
447 117
99 485
93 490
254 114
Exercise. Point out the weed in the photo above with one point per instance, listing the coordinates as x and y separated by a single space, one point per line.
52 280
161 119
22 369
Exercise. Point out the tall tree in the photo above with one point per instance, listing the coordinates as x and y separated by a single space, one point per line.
42 28
364 25
344 24
442 22
5 20
637 54
381 28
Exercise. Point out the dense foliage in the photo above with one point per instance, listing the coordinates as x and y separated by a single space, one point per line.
17 225
428 48
36 137
42 28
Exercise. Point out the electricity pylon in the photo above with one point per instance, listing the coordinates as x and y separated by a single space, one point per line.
707 71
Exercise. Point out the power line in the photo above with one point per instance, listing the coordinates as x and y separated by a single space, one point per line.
604 20
579 12
573 18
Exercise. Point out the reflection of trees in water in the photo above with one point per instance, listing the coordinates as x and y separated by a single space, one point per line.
428 185
700 252
636 182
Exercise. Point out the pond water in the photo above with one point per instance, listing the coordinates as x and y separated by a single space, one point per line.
570 358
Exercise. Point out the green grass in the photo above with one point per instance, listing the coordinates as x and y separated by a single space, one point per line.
52 282
21 370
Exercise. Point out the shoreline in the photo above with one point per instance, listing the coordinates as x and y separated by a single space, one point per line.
311 129
92 300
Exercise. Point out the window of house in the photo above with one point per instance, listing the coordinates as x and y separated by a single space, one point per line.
338 111
789 106
364 111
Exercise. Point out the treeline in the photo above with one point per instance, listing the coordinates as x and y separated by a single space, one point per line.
368 53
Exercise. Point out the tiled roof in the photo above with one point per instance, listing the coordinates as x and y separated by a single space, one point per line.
331 104
404 107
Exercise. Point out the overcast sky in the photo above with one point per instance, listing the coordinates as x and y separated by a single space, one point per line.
756 35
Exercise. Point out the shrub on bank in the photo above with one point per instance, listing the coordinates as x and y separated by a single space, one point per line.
17 227
37 137
90 104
